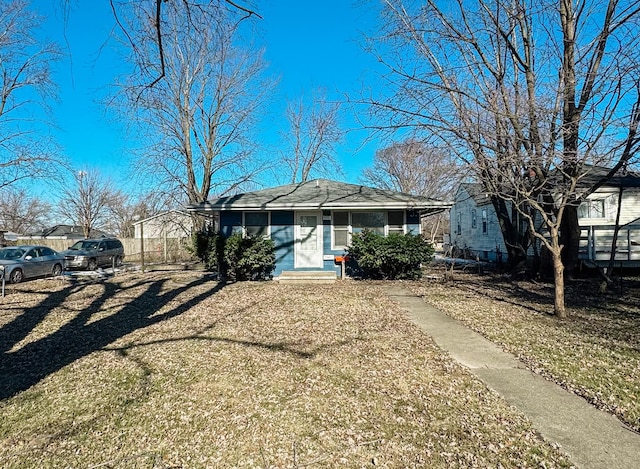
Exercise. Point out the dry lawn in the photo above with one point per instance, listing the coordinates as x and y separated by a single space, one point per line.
595 353
176 371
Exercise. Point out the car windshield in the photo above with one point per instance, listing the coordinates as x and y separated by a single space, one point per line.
86 245
11 253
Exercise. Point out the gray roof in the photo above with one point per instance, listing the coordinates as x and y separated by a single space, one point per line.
594 174
321 194
476 192
66 231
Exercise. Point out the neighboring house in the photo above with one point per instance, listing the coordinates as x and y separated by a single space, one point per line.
169 224
597 217
475 228
312 222
64 232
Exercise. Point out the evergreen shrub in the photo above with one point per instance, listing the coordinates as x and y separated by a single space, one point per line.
395 257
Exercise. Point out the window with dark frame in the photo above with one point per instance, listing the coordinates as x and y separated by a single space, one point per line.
340 221
372 221
256 224
395 221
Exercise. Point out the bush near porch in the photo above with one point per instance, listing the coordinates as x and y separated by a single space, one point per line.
392 257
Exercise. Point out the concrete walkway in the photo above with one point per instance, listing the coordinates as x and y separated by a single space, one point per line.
593 439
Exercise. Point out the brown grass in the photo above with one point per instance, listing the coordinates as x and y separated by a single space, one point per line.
595 353
174 370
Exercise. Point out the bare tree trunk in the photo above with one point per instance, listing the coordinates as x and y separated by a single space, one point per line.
558 277
570 239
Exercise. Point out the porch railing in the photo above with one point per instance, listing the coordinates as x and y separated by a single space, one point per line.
596 242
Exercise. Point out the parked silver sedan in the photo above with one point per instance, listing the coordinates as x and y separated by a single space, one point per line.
21 262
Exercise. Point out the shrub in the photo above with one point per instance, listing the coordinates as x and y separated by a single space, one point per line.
397 256
251 258
205 246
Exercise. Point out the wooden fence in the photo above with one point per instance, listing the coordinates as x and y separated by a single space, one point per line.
167 250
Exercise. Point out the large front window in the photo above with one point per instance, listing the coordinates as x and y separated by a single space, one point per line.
372 221
345 223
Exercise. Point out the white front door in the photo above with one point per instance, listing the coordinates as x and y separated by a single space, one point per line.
308 245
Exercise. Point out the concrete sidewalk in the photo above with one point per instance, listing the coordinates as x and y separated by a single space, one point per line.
591 438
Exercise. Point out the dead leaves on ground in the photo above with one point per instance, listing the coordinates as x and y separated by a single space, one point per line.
250 375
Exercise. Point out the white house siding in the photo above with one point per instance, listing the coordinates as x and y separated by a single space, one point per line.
597 231
630 207
166 225
483 238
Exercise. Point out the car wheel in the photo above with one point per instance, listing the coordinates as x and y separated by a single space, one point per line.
118 261
57 270
16 276
92 265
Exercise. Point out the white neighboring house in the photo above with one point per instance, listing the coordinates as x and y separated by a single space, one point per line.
474 225
597 217
475 228
169 224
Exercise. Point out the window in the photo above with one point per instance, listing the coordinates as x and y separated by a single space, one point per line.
485 221
345 223
372 221
474 219
593 208
395 222
256 223
340 230
459 223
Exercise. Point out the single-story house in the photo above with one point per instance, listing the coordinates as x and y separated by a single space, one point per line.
312 222
475 227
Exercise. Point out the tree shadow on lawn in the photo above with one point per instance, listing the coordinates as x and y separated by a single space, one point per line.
23 368
599 316
504 289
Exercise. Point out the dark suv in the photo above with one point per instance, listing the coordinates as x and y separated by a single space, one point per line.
92 253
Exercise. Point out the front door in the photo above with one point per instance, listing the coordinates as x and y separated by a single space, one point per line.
308 246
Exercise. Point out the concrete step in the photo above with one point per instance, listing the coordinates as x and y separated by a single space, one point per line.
307 276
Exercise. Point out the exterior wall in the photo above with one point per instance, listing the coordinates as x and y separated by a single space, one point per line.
629 213
282 232
597 232
485 245
596 240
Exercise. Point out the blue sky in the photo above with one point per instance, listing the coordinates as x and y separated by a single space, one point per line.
309 45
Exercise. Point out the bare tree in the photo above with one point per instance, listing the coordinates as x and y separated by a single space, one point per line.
313 135
415 167
197 120
21 213
87 203
157 15
25 87
125 210
530 94
420 168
